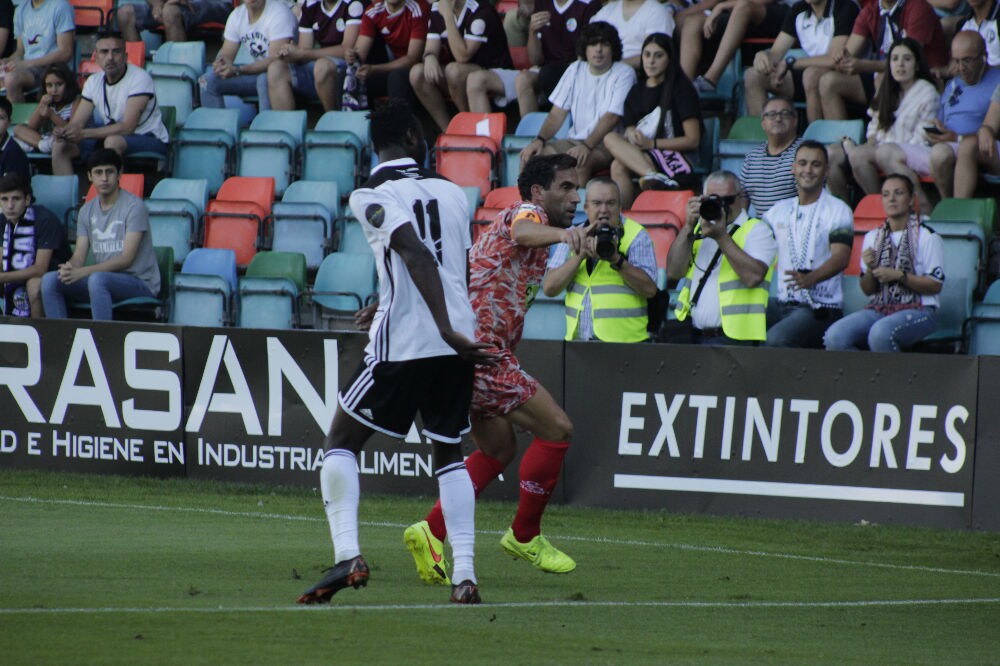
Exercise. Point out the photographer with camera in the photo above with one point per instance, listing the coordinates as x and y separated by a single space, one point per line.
726 259
608 281
815 231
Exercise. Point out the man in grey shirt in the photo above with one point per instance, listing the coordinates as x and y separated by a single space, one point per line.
115 227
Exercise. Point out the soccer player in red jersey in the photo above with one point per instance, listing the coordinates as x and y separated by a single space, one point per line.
507 264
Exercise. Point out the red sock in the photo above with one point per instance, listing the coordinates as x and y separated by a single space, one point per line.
482 470
540 468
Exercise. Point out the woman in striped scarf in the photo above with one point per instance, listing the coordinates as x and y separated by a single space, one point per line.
902 271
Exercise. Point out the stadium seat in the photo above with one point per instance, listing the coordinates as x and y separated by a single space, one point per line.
854 298
345 283
519 56
832 131
204 289
963 251
728 89
238 217
352 238
61 195
472 198
993 293
337 149
130 182
673 202
468 152
205 147
269 294
983 330
513 144
273 147
545 318
745 135
981 211
175 208
502 197
869 214
91 15
302 227
21 112
175 70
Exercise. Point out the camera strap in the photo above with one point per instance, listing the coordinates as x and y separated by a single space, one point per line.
708 271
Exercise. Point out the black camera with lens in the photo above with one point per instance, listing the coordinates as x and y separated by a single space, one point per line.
607 240
715 208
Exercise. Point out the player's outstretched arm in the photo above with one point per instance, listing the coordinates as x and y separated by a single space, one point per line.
528 233
424 272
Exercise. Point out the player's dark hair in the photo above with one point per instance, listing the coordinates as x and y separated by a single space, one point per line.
6 107
390 122
541 170
599 32
812 144
890 93
14 182
105 157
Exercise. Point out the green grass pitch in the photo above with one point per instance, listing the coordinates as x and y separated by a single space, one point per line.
98 569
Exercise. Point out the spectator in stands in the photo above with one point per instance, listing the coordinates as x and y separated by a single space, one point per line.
880 23
725 27
114 226
905 103
552 47
464 37
634 20
767 169
662 121
45 31
593 90
55 108
262 26
118 110
725 257
608 281
178 17
902 270
815 231
33 242
983 18
314 68
964 103
515 23
818 27
979 151
12 157
401 27
7 41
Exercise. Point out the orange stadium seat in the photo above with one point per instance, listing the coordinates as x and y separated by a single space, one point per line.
92 13
238 218
467 154
502 197
868 215
672 202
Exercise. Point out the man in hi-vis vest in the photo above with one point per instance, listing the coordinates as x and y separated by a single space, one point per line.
726 258
608 282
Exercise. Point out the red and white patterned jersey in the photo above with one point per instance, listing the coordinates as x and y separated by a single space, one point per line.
504 277
399 28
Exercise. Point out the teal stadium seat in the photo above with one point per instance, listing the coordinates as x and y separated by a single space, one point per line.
272 147
513 144
345 283
175 69
205 148
546 318
832 131
61 195
337 149
175 207
204 289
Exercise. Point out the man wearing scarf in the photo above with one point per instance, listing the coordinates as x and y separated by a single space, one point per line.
33 243
814 230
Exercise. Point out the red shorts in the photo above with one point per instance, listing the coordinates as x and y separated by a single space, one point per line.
501 389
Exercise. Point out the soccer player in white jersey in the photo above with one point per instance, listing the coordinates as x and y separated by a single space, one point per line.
421 348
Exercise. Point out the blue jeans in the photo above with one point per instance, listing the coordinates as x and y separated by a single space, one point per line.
99 289
881 333
798 325
214 88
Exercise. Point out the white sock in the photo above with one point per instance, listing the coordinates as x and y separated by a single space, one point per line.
338 480
458 503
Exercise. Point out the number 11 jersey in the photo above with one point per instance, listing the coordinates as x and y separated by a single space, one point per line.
400 192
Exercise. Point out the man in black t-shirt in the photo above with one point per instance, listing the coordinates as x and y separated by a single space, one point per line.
33 243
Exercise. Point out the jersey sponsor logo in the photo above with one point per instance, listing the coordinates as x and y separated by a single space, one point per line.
340 25
478 27
375 214
571 25
355 9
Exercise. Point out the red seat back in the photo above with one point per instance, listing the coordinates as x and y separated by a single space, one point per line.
502 197
130 182
493 125
467 160
257 189
234 225
868 215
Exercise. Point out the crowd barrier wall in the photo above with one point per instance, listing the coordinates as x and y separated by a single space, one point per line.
907 439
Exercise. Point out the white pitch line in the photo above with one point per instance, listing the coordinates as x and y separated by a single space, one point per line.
617 542
513 604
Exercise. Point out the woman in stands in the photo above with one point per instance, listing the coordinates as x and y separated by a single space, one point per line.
902 271
906 102
54 109
662 124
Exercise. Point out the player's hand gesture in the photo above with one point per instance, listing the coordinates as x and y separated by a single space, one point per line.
363 317
576 237
470 350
